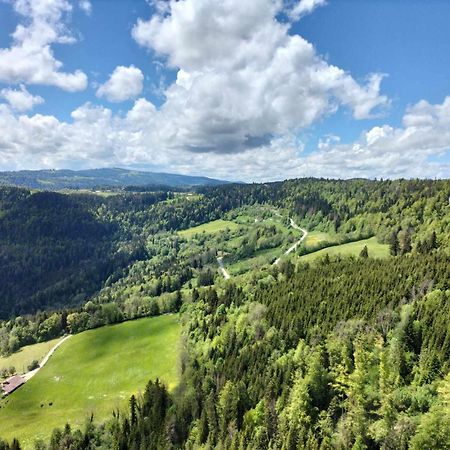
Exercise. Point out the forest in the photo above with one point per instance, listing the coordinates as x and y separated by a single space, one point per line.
340 352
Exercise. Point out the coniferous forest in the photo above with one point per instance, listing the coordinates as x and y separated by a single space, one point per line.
344 351
224 225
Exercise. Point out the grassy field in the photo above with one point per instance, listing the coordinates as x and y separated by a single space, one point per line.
210 227
376 250
316 237
259 259
93 372
21 359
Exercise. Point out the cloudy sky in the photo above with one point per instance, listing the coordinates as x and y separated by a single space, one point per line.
245 90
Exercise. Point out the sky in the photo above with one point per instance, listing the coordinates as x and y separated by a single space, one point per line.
244 90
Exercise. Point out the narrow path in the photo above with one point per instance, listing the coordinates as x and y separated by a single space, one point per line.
225 274
293 247
28 375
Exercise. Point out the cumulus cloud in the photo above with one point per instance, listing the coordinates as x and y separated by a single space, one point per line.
245 89
30 58
304 7
424 114
242 78
20 99
96 135
385 151
124 83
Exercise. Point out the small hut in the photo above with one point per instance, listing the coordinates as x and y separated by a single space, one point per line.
11 384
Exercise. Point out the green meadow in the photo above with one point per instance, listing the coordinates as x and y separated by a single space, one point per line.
258 260
93 372
23 358
211 227
375 249
316 237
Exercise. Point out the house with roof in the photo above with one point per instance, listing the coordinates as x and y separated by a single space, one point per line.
11 384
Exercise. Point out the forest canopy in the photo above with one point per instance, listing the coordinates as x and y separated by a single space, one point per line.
337 352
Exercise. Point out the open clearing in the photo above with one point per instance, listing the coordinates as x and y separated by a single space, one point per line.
317 237
376 250
93 372
258 260
23 358
210 227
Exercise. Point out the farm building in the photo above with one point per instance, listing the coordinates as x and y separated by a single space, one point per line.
11 384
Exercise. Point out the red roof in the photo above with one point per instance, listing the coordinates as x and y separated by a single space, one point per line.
12 383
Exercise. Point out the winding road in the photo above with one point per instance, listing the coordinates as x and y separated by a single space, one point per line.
293 247
224 271
28 375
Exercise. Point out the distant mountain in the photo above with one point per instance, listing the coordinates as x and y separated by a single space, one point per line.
93 178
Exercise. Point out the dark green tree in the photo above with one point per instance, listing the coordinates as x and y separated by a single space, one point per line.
394 245
364 252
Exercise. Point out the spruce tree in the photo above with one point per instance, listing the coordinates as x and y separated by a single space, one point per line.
394 245
364 252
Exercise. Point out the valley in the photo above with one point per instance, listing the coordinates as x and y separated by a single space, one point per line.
224 225
203 291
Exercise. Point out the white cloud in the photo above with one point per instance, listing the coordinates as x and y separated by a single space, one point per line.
242 78
385 151
86 6
20 99
124 83
142 139
424 114
244 91
304 7
30 58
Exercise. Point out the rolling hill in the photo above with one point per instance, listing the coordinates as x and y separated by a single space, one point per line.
93 373
96 178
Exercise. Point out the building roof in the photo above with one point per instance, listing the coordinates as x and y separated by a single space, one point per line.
12 383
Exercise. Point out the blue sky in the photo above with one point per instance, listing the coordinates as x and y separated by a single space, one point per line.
407 40
336 88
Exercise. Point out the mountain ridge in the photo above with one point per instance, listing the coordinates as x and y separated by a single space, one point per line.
54 179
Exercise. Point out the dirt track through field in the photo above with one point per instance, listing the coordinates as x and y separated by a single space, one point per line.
32 373
293 247
224 271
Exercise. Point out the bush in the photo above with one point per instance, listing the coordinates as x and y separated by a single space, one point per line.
33 365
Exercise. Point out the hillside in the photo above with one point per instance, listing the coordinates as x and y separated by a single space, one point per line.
59 249
93 373
99 178
55 250
297 300
339 340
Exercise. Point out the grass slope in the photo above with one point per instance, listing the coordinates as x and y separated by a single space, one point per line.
317 237
210 227
261 258
93 372
21 359
376 250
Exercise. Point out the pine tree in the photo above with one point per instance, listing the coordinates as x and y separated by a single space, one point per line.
228 408
357 399
178 301
433 241
364 252
405 241
394 245
133 407
15 445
